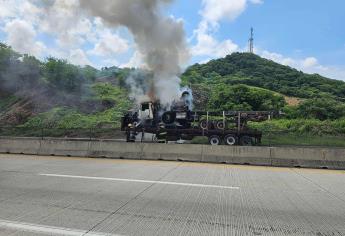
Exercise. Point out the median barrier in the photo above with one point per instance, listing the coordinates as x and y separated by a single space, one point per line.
334 158
111 149
61 147
236 155
20 145
171 152
297 157
310 157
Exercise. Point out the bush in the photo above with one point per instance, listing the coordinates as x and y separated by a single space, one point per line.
322 109
245 98
302 126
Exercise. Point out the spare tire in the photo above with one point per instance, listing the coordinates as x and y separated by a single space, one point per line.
169 117
220 125
203 124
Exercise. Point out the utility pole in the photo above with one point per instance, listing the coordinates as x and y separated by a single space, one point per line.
251 41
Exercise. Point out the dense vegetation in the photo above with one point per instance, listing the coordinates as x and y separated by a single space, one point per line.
250 69
247 81
54 93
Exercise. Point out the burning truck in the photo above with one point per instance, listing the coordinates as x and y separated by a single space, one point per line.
180 122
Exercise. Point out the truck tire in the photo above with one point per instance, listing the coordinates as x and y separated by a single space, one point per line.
220 125
246 141
203 124
230 140
169 117
214 140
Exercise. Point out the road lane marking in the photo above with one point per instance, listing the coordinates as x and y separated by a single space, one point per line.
142 181
51 230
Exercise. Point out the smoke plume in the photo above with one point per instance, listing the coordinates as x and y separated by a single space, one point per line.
160 40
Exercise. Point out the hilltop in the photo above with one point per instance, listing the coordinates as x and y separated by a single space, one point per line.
250 69
247 81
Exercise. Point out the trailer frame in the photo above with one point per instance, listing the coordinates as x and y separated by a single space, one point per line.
215 130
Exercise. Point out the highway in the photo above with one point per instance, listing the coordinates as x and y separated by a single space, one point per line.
85 196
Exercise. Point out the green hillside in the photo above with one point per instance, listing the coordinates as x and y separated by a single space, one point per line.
250 69
56 94
233 82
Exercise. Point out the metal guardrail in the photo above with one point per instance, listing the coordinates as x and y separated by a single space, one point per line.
272 138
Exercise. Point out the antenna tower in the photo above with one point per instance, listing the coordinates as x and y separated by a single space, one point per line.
251 41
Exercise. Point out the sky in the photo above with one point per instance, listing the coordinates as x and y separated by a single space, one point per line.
307 35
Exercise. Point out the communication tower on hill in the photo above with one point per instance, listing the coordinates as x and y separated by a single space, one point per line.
251 41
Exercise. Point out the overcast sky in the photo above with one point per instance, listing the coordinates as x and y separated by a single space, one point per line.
306 34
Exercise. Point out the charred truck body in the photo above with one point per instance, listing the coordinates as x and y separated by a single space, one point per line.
181 123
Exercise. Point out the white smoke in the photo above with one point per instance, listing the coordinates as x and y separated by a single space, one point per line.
140 83
187 97
160 39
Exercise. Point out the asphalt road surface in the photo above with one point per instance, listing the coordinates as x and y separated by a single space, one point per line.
80 196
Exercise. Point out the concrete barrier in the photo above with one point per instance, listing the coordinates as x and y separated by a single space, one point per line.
60 147
20 146
172 152
236 155
332 158
111 149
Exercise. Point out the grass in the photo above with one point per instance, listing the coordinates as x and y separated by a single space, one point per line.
302 126
7 101
71 118
293 139
199 140
268 139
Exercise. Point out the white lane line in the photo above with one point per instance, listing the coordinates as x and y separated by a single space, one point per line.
141 181
51 230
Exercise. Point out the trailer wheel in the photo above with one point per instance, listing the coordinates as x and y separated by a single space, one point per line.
230 140
247 141
214 140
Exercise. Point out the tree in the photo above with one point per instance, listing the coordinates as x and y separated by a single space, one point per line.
242 97
260 72
62 75
89 73
322 109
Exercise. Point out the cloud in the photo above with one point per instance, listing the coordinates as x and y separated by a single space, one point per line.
64 20
78 57
207 45
136 61
64 25
109 44
256 1
214 11
22 37
309 65
310 62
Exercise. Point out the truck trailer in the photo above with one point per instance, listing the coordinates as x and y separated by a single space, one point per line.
181 123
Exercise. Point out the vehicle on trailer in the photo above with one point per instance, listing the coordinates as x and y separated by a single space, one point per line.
181 123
